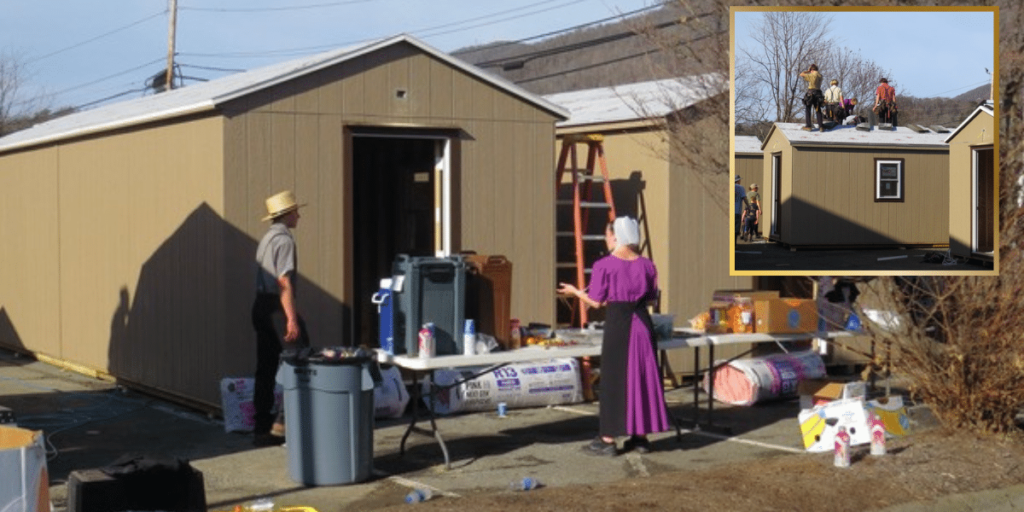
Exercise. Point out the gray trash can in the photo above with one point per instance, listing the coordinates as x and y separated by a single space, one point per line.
328 408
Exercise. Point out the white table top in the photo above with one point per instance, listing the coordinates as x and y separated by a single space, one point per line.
682 338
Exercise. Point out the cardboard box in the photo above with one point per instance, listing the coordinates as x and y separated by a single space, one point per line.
785 316
819 425
815 392
728 296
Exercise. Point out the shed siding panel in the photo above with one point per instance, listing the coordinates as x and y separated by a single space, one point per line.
30 275
834 198
978 132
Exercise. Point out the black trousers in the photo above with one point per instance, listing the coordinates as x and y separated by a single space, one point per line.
269 346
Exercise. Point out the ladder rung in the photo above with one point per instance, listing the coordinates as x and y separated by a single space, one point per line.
570 265
590 177
590 238
584 204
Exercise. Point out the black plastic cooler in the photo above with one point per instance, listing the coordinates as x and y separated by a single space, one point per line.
429 289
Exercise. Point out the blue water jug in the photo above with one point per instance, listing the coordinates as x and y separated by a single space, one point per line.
386 312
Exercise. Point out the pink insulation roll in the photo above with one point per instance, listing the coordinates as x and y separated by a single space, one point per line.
748 381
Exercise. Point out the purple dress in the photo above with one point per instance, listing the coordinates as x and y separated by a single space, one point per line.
631 393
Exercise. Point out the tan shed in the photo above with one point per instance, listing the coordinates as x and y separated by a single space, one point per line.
973 201
130 230
850 187
686 230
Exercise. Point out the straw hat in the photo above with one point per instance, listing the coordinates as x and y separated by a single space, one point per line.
280 204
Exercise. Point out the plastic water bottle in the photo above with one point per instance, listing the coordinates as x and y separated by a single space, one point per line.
877 435
526 484
418 495
469 338
842 449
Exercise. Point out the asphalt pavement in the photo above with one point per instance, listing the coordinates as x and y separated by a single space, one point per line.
89 423
770 257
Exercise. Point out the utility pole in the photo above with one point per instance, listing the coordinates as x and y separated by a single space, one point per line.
173 8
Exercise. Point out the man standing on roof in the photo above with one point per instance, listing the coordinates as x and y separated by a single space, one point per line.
275 297
813 98
885 101
834 102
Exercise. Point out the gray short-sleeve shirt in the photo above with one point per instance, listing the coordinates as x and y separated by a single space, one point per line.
275 257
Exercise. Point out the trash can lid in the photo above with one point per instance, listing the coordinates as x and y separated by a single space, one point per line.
329 356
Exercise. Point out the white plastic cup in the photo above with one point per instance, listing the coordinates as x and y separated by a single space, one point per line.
502 409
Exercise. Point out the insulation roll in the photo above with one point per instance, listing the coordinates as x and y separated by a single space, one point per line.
748 381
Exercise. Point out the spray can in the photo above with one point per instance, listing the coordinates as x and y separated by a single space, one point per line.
877 434
842 455
469 338
427 341
515 334
502 409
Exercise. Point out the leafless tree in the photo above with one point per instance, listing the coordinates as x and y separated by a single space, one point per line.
17 108
785 43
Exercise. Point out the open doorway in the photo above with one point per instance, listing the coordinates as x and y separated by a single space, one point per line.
776 229
400 205
984 201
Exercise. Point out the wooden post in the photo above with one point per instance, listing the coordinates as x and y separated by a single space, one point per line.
173 8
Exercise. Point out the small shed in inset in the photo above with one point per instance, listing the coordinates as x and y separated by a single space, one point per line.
130 229
853 187
973 201
749 162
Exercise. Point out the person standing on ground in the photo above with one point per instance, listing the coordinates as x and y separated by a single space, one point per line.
632 393
275 297
755 202
741 206
813 98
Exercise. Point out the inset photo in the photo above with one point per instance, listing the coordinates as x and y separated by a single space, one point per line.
865 142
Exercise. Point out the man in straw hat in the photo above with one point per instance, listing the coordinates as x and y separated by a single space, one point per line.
275 294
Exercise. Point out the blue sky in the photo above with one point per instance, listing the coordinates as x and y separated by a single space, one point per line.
928 53
82 51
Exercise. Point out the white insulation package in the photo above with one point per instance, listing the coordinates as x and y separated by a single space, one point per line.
531 384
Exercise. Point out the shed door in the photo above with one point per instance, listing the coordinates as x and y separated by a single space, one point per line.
776 195
984 200
401 187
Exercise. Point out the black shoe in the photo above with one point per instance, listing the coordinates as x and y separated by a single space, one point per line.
265 439
638 444
599 447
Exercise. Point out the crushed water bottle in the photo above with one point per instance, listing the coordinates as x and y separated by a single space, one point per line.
418 495
526 484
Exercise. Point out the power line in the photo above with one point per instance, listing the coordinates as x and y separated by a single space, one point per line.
556 32
101 36
571 47
274 9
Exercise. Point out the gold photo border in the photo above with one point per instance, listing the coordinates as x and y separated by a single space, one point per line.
732 139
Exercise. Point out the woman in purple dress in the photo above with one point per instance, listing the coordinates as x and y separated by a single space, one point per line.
631 393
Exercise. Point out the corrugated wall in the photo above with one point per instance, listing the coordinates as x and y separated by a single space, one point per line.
30 313
978 132
294 137
833 198
123 248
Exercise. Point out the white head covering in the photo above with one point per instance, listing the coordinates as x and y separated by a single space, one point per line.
627 231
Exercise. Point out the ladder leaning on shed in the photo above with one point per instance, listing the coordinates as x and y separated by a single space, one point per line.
583 203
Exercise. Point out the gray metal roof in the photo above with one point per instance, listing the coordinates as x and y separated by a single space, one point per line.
637 101
849 135
746 144
987 107
208 95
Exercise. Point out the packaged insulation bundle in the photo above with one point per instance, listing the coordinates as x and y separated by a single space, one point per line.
530 384
748 381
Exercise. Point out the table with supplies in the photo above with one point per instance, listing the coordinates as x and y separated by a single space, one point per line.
483 364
